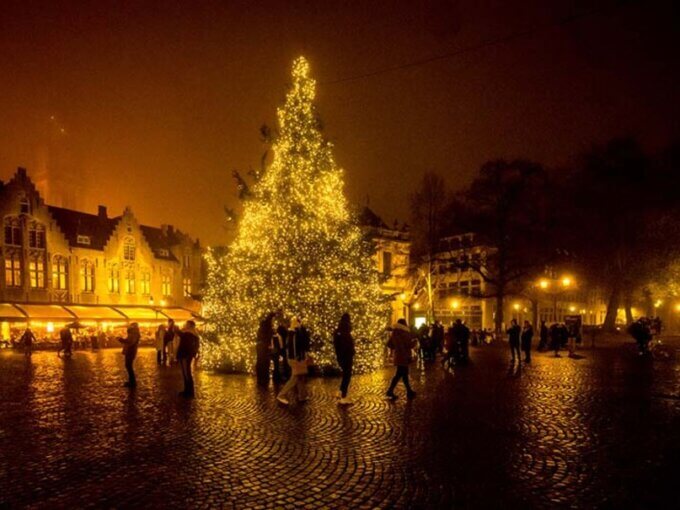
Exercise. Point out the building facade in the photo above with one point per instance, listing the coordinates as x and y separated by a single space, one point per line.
54 255
392 258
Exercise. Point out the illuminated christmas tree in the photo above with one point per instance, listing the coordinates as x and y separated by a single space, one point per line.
298 249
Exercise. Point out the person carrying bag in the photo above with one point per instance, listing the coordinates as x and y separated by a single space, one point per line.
297 345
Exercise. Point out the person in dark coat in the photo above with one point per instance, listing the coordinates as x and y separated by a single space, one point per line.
344 351
27 339
555 338
527 335
263 348
401 343
66 342
187 351
461 338
514 332
543 337
130 345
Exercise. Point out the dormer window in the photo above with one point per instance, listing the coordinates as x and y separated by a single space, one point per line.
162 252
86 240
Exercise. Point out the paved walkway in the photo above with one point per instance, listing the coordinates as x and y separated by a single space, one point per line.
597 432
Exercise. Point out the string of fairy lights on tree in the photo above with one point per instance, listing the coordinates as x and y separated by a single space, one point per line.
298 249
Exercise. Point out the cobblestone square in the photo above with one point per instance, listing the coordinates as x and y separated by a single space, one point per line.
598 432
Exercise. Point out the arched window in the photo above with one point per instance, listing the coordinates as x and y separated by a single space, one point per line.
114 279
59 273
130 281
129 249
12 269
87 276
36 271
13 235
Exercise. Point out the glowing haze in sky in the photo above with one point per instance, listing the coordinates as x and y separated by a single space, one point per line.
152 104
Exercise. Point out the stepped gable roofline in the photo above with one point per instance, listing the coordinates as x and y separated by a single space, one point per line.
98 227
161 240
22 179
368 218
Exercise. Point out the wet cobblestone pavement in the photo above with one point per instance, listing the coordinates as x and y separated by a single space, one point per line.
599 432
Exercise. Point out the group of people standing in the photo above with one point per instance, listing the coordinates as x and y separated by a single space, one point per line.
643 331
287 347
188 344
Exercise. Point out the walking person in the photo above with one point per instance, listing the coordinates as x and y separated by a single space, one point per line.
344 351
297 346
527 335
514 332
160 344
130 345
189 345
401 343
27 339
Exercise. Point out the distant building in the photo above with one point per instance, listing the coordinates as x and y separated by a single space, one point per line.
392 251
54 255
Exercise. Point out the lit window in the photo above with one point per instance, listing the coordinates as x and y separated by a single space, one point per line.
36 236
87 276
36 272
186 285
145 283
130 282
12 270
162 252
114 279
129 249
59 273
13 235
387 263
83 240
166 285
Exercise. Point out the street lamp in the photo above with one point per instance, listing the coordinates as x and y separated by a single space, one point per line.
455 304
543 283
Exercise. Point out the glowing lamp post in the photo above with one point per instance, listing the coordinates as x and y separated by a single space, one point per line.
556 287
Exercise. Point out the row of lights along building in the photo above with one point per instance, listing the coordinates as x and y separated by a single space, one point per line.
61 265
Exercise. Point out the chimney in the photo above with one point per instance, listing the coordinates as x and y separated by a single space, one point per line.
21 172
102 212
